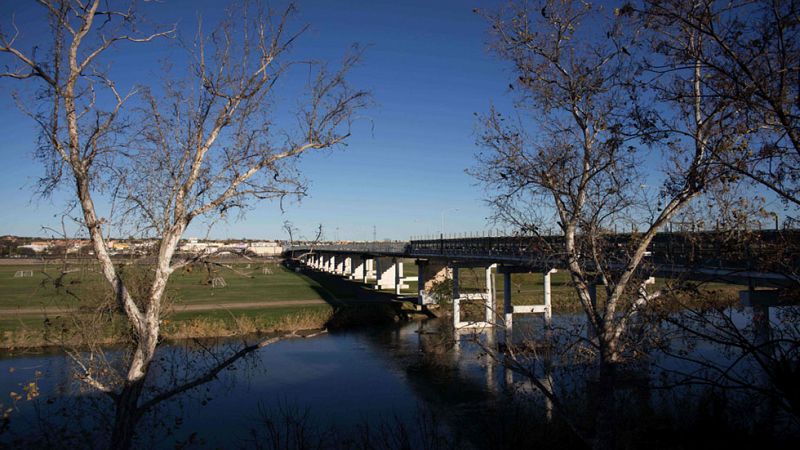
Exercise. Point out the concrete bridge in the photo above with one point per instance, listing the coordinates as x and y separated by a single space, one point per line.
755 259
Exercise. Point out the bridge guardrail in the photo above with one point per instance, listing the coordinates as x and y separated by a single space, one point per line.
764 250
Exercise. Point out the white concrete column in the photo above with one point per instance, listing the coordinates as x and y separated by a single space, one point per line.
508 309
548 303
385 273
338 269
357 272
369 265
348 266
456 297
421 294
398 277
491 304
456 292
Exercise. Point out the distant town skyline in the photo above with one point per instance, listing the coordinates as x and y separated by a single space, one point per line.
401 173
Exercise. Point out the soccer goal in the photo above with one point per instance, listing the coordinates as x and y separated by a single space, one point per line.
23 273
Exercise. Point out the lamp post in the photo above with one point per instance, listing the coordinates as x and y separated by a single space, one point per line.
444 211
775 215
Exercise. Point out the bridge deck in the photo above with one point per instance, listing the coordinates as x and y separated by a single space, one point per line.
770 258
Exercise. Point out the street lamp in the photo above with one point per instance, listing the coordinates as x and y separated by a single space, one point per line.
444 211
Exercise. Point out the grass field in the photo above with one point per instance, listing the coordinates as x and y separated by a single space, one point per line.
83 286
257 296
261 298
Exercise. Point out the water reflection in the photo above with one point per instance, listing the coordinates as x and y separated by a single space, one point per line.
405 373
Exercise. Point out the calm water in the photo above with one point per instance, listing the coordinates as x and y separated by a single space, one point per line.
344 379
382 375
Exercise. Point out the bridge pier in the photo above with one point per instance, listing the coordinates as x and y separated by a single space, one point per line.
357 271
338 267
509 310
369 269
347 266
590 332
428 274
487 296
760 302
389 273
456 296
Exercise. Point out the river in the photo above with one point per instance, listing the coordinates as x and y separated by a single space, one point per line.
406 376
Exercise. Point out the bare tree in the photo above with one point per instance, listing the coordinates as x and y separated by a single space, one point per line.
752 58
291 230
580 151
208 144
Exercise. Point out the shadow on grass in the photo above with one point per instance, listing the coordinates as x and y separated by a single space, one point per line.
354 304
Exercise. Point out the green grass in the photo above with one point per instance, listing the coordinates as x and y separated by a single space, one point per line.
84 288
185 286
40 290
267 314
249 285
528 288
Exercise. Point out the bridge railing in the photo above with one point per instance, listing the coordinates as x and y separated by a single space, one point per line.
764 250
393 247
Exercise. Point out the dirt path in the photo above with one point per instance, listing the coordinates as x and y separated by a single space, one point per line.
176 308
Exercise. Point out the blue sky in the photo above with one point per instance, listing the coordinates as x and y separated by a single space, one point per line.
429 71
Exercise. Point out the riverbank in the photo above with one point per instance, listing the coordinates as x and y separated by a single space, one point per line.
69 305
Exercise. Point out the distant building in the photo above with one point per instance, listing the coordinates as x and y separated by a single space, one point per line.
121 246
195 246
36 246
265 248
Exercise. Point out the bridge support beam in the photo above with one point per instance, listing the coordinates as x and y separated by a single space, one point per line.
509 310
369 269
347 266
548 300
456 298
399 279
491 298
338 268
357 269
429 273
590 332
388 272
760 302
487 297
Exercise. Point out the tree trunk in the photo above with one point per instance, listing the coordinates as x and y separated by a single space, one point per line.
605 407
126 415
